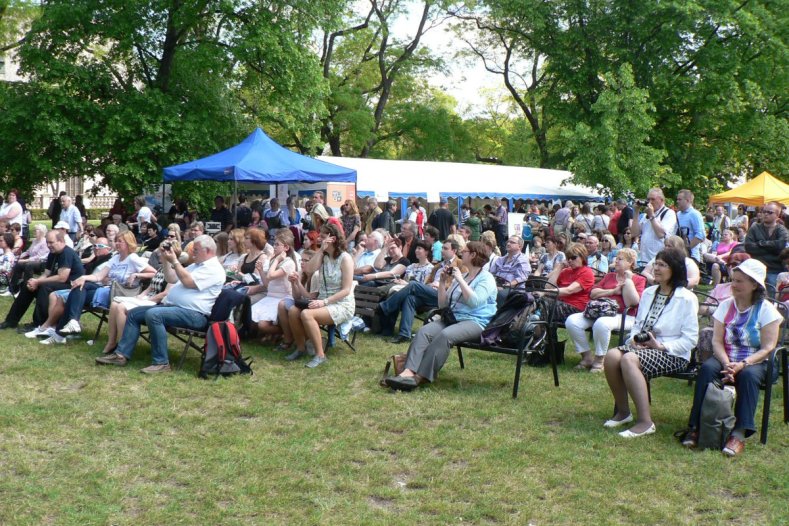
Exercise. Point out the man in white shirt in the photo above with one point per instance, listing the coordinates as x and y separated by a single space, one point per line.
70 215
365 255
658 222
188 305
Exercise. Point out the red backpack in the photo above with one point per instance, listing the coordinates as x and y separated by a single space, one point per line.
222 352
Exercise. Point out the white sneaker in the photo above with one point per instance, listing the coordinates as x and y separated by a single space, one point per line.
7 293
52 340
38 331
72 327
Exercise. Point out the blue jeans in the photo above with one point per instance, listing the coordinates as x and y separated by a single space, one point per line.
157 317
770 281
77 299
406 301
746 383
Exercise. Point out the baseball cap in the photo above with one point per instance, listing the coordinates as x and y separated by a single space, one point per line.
62 224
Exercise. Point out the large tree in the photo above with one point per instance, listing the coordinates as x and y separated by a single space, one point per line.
715 70
120 88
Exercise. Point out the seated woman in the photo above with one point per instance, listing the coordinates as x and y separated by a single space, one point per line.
745 332
664 333
283 264
608 248
691 267
716 262
19 242
149 233
471 298
257 251
125 268
32 261
575 280
334 302
629 242
418 271
622 286
7 259
235 250
552 257
388 266
120 306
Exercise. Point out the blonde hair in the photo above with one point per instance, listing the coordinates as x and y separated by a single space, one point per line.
629 255
130 239
175 228
457 238
676 242
237 235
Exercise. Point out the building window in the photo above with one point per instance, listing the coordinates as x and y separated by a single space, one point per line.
2 65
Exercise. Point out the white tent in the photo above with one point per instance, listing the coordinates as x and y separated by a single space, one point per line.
386 179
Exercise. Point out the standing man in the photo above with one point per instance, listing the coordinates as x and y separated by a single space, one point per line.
561 219
187 305
691 224
720 222
386 219
221 214
71 216
62 267
501 220
443 220
659 221
53 212
766 240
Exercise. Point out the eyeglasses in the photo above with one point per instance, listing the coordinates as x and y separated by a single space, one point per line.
91 235
172 236
768 212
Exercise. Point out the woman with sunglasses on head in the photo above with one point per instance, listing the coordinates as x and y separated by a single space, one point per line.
664 333
745 333
574 279
471 300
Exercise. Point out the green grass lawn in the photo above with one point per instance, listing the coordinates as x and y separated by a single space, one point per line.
81 444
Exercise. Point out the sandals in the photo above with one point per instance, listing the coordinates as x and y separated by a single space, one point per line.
583 366
109 351
596 368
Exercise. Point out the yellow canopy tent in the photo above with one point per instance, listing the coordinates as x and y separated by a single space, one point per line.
762 189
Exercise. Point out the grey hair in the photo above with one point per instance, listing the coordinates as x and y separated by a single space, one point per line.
378 238
206 241
41 227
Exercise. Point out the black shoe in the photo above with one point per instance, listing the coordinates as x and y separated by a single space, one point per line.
27 327
399 339
402 383
8 325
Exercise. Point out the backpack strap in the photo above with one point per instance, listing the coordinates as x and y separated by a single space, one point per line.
219 338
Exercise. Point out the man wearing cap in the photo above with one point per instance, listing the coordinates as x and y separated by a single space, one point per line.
62 267
71 217
766 240
442 219
659 221
691 224
63 227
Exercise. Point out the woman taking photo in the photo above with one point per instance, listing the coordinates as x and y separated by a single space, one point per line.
745 332
264 312
622 286
664 333
471 300
553 257
332 305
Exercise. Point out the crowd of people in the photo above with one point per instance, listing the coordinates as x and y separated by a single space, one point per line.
610 263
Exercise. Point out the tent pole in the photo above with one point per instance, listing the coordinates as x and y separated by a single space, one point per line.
235 201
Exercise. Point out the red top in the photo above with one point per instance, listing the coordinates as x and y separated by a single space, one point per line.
609 282
585 278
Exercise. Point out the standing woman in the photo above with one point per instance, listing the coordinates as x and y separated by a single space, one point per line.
745 332
351 220
264 312
332 305
667 327
742 218
471 298
11 210
294 216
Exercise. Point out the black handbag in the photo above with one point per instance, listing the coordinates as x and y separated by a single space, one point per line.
302 303
447 316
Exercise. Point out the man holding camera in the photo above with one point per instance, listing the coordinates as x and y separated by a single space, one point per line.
188 305
766 240
659 221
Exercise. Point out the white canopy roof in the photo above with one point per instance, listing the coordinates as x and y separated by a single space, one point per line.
431 180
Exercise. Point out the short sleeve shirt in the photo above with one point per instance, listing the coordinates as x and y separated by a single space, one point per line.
742 329
121 270
66 259
209 277
585 277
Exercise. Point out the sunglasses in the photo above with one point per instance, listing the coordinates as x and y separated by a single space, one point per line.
91 235
574 257
172 236
768 212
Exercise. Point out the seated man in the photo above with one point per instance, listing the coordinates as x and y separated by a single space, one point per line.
365 255
57 299
511 270
416 295
30 262
187 305
62 267
596 259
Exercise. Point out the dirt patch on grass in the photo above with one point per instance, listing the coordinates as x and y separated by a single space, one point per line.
381 502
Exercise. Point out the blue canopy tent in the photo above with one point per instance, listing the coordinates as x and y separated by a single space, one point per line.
258 159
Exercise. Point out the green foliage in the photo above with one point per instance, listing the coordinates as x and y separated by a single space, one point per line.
615 150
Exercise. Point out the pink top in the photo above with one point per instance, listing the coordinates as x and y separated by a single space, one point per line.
723 248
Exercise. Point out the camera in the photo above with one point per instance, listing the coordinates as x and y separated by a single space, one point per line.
642 337
641 202
166 246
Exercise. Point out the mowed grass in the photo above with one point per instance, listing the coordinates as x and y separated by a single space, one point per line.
81 444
